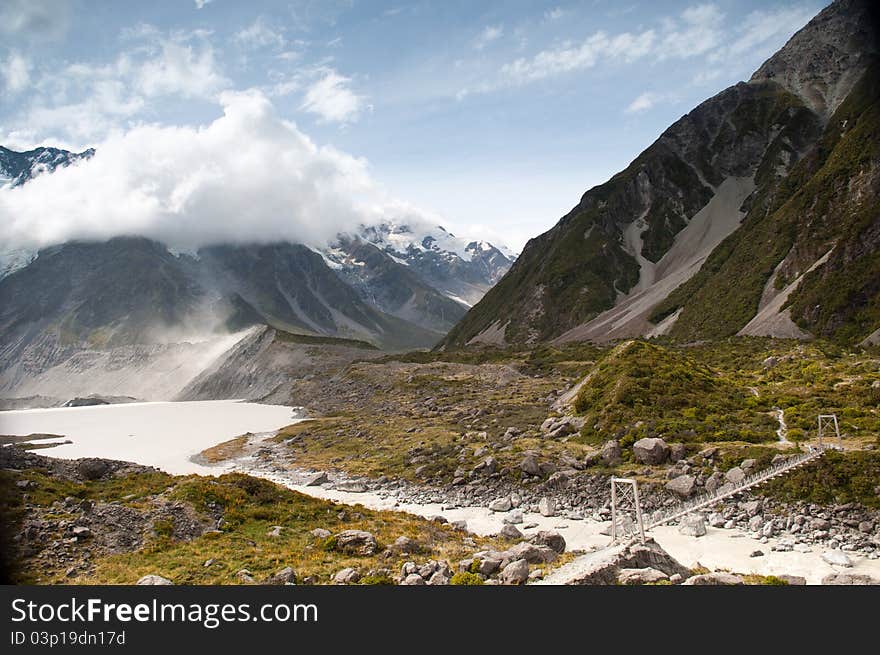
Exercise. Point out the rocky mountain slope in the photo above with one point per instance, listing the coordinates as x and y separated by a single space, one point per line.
16 168
765 196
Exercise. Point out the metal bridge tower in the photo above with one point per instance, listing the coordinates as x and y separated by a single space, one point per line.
828 425
625 500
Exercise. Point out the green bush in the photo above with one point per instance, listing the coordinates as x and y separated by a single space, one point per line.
466 578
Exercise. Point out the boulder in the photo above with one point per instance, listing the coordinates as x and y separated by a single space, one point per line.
285 576
275 531
714 579
640 576
735 475
153 579
716 520
533 553
692 525
320 533
515 517
677 452
347 576
515 572
651 450
488 565
714 481
356 542
500 504
547 506
756 523
682 486
509 531
611 453
837 558
316 479
92 468
849 579
529 465
550 538
793 580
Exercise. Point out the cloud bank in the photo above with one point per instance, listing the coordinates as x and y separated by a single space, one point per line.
247 177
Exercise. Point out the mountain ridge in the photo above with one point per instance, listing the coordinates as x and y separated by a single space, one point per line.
589 277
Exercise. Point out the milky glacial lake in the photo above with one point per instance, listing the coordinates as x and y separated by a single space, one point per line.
161 434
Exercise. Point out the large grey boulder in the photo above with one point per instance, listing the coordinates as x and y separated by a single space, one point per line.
692 525
500 504
529 465
735 475
849 579
604 566
356 542
153 579
710 579
316 479
509 531
347 576
837 558
533 553
651 450
550 538
611 453
515 573
547 506
682 486
514 518
640 576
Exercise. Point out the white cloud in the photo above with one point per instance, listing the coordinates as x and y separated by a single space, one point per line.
15 72
200 4
554 14
180 69
36 19
260 34
332 100
643 103
80 103
488 35
698 30
763 32
247 176
571 57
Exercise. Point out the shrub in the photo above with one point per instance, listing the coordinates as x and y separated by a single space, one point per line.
466 579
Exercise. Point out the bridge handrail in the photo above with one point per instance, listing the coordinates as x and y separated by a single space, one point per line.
711 497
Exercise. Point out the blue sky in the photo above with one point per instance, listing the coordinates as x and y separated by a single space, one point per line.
491 117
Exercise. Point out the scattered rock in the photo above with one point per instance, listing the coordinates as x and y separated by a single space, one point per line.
514 518
529 465
316 480
547 506
153 579
849 579
500 504
275 531
516 572
611 453
509 531
356 542
651 450
350 576
837 558
735 475
692 525
550 538
351 486
640 576
714 579
285 576
682 486
320 533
